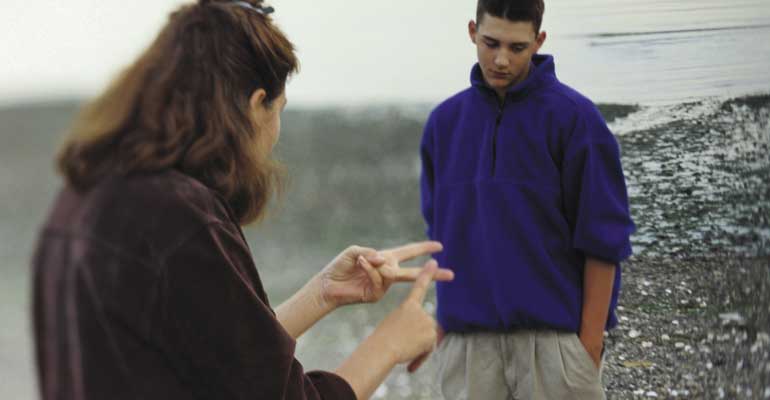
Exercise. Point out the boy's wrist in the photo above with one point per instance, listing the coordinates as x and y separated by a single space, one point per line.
592 343
592 335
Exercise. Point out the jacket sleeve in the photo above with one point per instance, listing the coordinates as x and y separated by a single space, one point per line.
427 177
594 188
218 332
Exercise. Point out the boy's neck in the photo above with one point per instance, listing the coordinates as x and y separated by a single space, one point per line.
501 93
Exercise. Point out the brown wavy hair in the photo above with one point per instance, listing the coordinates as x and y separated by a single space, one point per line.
184 104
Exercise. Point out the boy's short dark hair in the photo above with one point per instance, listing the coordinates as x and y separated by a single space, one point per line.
513 10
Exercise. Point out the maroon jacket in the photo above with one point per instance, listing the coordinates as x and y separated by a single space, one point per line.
145 288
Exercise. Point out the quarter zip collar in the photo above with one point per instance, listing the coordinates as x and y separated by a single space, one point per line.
541 74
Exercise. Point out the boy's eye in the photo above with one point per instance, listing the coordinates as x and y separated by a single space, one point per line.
491 45
519 49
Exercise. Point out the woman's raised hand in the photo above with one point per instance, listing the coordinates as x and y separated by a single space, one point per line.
364 275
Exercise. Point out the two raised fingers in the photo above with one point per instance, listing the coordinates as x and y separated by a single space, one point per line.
409 252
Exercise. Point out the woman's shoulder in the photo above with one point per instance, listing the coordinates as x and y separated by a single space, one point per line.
172 193
140 214
169 197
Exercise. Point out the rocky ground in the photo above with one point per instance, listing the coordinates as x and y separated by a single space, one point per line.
693 328
695 305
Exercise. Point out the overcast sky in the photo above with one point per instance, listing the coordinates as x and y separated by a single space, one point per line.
351 51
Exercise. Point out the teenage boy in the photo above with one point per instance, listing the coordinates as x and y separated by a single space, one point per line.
522 183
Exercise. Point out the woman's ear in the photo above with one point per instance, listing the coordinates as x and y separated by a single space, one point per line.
257 100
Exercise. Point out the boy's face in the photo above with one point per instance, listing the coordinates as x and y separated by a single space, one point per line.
505 49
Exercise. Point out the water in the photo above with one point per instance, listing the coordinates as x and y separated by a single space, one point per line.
660 51
697 166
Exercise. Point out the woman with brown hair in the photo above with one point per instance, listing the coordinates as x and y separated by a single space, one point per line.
145 287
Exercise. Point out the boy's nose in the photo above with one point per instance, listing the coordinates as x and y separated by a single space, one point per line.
501 60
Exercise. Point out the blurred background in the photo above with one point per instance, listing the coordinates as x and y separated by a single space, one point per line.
683 84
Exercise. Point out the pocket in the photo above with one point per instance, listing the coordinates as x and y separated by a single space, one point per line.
586 355
579 368
582 377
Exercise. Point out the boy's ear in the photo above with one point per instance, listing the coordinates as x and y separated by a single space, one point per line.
540 39
472 30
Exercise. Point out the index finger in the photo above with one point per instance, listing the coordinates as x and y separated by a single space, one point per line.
421 285
413 250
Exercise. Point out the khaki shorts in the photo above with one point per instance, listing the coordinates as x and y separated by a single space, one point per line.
525 365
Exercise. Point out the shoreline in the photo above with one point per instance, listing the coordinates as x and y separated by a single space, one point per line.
610 110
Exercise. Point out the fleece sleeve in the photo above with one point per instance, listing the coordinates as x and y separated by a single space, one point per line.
218 332
427 177
595 194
